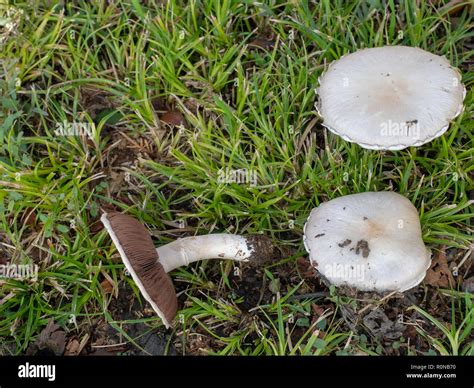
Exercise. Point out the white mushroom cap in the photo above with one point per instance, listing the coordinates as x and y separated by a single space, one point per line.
390 97
371 241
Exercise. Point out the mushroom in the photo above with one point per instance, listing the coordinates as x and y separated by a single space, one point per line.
390 98
369 241
149 266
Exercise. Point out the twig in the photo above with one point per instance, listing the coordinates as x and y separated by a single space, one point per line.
310 295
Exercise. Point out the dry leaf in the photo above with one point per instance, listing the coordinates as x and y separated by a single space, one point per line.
263 43
29 217
72 348
439 275
173 118
51 339
106 286
455 7
116 181
317 310
305 268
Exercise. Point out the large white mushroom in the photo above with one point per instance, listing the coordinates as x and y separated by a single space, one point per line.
370 241
390 97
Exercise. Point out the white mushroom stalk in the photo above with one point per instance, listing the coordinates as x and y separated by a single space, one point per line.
185 251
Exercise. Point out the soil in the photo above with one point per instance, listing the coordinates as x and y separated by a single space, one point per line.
263 249
251 286
127 307
362 247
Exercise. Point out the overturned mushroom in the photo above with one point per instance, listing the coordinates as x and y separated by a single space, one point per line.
149 265
390 97
370 241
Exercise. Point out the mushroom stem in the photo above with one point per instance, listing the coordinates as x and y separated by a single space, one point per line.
214 246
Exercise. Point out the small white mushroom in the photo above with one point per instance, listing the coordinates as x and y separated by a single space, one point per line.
390 97
370 241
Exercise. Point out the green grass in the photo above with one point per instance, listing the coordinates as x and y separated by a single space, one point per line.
118 67
455 338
